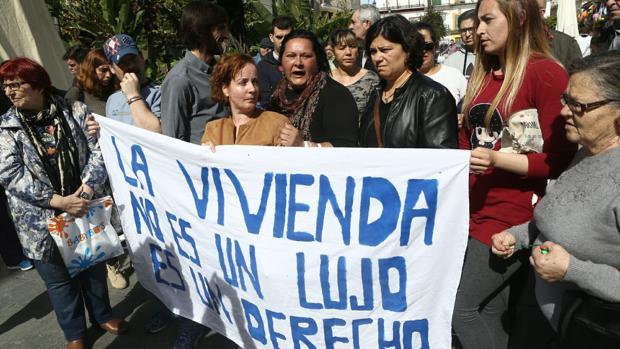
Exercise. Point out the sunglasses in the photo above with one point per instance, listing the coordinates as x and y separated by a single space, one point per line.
429 46
579 108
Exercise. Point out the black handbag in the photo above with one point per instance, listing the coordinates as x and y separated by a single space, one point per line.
589 322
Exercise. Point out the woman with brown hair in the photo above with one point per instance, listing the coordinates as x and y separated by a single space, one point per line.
235 82
359 81
95 82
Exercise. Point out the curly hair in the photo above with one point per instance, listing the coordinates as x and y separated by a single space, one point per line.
398 29
87 79
225 71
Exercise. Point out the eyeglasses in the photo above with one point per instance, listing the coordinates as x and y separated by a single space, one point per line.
579 108
15 85
429 46
467 30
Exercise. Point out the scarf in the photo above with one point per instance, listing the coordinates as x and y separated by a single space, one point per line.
65 173
300 110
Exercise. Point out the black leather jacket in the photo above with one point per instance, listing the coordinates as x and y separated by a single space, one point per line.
421 115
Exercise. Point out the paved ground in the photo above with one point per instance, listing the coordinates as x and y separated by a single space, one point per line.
28 321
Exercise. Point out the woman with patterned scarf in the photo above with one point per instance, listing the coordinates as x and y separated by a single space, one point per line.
322 111
50 166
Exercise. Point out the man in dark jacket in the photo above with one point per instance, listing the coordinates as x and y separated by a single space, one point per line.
564 48
268 68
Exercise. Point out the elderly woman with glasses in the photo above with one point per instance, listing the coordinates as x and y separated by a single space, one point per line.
576 226
49 166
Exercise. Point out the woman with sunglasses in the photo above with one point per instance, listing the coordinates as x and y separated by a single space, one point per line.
577 222
449 77
408 110
515 132
95 82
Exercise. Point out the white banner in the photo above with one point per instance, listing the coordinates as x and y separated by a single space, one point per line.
279 247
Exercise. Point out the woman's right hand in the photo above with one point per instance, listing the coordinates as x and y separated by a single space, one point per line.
72 204
503 244
290 137
482 159
92 126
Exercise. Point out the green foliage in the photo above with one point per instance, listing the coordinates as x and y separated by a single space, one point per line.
154 23
434 18
258 19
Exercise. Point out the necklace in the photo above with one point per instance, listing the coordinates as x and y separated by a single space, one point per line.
388 95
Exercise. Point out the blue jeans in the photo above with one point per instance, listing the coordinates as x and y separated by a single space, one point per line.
69 296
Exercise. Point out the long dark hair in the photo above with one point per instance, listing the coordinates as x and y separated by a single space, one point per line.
321 57
198 20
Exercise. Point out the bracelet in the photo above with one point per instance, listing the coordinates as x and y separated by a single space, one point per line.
306 144
319 145
133 99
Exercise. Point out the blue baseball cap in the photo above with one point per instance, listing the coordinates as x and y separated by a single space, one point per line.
118 46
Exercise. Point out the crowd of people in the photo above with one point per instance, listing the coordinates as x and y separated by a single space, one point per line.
542 125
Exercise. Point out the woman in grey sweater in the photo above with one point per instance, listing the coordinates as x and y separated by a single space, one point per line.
576 227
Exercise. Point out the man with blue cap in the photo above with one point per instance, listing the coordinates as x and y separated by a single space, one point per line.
138 102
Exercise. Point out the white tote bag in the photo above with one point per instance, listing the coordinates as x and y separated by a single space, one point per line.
522 133
88 240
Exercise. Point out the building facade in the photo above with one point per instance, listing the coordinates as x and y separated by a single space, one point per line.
414 9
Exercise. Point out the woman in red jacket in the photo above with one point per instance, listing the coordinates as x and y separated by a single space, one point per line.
517 141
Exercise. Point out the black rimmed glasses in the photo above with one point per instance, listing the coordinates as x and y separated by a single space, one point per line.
15 85
579 108
467 30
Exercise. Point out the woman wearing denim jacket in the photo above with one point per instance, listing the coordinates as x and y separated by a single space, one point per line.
50 166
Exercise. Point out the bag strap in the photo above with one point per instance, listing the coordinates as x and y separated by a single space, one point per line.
377 122
465 62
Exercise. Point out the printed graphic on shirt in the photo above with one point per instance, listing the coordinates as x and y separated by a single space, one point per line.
481 135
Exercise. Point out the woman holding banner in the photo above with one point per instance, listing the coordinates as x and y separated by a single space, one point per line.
235 82
50 166
515 83
320 109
